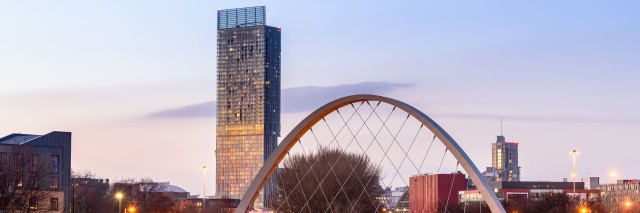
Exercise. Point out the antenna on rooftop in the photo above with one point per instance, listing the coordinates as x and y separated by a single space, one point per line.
501 127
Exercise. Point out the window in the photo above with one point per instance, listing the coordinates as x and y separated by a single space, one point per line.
19 185
33 182
19 161
33 204
53 203
55 182
34 160
3 160
55 163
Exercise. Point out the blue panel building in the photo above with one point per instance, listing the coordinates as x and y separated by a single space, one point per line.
35 172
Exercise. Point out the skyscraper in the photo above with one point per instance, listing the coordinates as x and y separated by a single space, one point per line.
248 98
504 159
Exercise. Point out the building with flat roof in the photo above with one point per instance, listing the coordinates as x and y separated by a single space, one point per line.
504 161
391 196
248 99
37 171
435 192
516 193
622 195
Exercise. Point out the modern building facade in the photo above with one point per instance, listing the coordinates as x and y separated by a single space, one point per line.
591 182
504 160
435 192
515 193
248 99
622 195
36 172
391 196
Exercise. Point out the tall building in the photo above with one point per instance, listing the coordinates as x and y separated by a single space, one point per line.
36 172
435 192
504 159
248 99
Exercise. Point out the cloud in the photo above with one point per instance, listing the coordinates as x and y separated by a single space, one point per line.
297 99
205 109
544 119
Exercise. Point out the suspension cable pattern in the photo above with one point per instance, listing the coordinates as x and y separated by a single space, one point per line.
384 132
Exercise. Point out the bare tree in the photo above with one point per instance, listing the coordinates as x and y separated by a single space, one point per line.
89 194
340 181
150 196
24 180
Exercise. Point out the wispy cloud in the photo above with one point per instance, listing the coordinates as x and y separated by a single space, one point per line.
543 118
297 99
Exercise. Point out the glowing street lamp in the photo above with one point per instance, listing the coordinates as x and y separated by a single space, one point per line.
119 196
628 204
613 176
131 209
574 153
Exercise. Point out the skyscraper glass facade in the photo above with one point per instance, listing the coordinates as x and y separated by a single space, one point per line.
248 98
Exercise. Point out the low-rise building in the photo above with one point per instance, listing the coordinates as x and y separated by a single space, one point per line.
213 205
391 196
623 194
515 193
435 192
37 171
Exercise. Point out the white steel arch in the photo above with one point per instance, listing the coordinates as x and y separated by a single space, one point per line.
290 140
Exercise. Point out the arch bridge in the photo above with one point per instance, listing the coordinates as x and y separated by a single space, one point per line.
366 125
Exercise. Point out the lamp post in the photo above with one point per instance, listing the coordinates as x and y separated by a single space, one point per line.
119 196
73 197
574 153
204 188
613 177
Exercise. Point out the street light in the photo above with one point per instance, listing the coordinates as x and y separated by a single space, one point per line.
613 176
131 209
628 204
119 196
574 153
204 188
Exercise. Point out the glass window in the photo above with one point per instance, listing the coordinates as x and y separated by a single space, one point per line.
3 160
55 163
34 160
53 204
33 203
19 161
55 182
33 181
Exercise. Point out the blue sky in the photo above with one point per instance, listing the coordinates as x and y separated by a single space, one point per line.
563 75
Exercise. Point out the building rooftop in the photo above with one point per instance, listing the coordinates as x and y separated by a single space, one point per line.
242 17
17 138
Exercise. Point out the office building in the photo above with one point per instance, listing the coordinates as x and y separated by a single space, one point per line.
622 195
504 160
435 192
391 196
37 171
248 99
515 194
591 182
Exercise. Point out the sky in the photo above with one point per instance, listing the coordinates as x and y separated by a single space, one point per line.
135 80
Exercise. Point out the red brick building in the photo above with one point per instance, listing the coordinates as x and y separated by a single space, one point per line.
435 192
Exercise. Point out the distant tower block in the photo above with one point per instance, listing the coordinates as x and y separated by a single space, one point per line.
504 158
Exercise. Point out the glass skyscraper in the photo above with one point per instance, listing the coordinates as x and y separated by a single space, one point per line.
248 98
